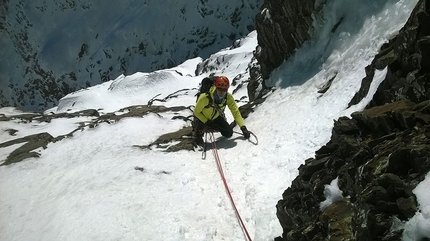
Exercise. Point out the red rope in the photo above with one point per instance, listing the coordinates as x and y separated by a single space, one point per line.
218 161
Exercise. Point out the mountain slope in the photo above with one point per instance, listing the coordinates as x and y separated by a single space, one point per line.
52 48
95 185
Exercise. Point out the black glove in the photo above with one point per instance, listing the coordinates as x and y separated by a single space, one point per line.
245 132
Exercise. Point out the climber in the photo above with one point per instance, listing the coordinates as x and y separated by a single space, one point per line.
209 111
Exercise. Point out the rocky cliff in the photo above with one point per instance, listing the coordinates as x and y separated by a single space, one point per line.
282 27
379 155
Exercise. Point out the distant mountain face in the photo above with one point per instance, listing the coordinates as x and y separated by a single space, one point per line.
51 48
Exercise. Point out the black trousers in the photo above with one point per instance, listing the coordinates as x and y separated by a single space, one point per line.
218 124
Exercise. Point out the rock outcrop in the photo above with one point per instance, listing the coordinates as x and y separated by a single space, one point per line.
41 140
379 155
282 27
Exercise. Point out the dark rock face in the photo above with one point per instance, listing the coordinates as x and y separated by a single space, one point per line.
282 26
379 155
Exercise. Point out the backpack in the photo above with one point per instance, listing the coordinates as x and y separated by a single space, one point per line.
205 86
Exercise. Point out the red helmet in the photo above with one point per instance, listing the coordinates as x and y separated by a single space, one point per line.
222 82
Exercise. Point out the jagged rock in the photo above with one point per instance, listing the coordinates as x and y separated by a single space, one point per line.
327 85
25 151
256 85
338 218
377 170
183 136
282 27
375 119
407 206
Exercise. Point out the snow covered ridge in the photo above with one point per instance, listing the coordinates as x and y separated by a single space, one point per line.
52 48
169 92
19 146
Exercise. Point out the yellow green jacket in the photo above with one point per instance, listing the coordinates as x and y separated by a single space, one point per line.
205 111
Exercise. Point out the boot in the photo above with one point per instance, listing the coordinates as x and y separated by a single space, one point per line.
198 140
